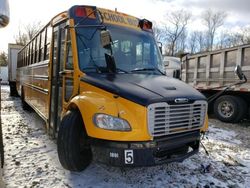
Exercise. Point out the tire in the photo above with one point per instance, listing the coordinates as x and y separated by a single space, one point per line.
25 106
13 91
243 108
230 109
73 149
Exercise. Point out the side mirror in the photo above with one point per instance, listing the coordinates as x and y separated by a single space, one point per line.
105 38
4 13
239 72
166 63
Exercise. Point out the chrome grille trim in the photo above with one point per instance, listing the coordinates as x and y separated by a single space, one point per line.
165 119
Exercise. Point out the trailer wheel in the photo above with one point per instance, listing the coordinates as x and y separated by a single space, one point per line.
13 91
73 149
230 109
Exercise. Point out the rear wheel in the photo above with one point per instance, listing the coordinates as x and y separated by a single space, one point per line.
25 106
73 149
230 109
13 91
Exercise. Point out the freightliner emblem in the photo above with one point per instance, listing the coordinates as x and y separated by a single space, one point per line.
181 100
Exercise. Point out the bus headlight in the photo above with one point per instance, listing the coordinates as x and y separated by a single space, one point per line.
109 122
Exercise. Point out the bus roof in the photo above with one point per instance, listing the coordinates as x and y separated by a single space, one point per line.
83 14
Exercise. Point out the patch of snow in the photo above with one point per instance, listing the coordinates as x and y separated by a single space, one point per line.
243 158
223 135
31 160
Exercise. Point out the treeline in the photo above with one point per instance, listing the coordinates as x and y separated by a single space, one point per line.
24 35
3 59
175 33
177 37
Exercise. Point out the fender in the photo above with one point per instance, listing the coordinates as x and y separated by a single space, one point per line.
94 100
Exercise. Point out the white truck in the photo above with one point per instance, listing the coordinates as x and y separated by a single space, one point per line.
172 66
211 72
12 65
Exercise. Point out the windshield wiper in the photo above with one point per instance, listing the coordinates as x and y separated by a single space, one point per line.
146 69
121 70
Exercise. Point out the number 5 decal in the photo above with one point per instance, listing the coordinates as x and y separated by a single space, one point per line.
129 157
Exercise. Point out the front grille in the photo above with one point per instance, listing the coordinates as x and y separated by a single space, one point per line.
165 119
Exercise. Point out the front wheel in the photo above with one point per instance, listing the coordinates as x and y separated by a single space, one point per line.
73 149
230 109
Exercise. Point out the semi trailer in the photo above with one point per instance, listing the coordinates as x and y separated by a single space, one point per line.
210 72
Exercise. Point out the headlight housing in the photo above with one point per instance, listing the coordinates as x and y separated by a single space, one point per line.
109 122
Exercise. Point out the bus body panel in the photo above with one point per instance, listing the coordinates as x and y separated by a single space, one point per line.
93 100
34 82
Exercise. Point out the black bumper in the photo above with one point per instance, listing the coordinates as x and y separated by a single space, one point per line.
173 148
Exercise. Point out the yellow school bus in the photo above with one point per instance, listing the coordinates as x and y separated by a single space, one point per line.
96 77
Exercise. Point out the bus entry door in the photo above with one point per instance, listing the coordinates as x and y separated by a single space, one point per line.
56 79
68 76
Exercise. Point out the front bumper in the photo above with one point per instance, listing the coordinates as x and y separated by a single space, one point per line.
174 148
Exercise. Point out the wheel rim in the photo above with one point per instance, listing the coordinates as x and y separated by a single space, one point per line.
226 109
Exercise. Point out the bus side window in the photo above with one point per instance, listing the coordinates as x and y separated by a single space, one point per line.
62 43
29 56
38 40
69 56
41 53
34 51
48 40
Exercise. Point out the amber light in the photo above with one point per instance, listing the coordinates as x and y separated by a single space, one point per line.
145 24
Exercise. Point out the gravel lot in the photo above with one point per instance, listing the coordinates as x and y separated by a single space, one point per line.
31 158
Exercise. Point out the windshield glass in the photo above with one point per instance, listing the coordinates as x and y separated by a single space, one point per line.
132 50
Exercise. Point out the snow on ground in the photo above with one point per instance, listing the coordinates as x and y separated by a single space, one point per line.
31 158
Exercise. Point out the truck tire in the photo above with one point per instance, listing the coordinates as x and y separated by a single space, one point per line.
230 109
73 149
243 108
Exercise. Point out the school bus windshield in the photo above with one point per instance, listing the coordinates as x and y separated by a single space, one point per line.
132 50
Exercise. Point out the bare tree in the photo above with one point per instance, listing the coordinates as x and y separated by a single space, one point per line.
21 38
193 42
32 29
246 35
212 20
26 33
222 40
181 43
178 21
158 32
201 41
3 59
228 39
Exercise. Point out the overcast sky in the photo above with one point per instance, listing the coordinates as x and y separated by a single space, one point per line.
23 12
